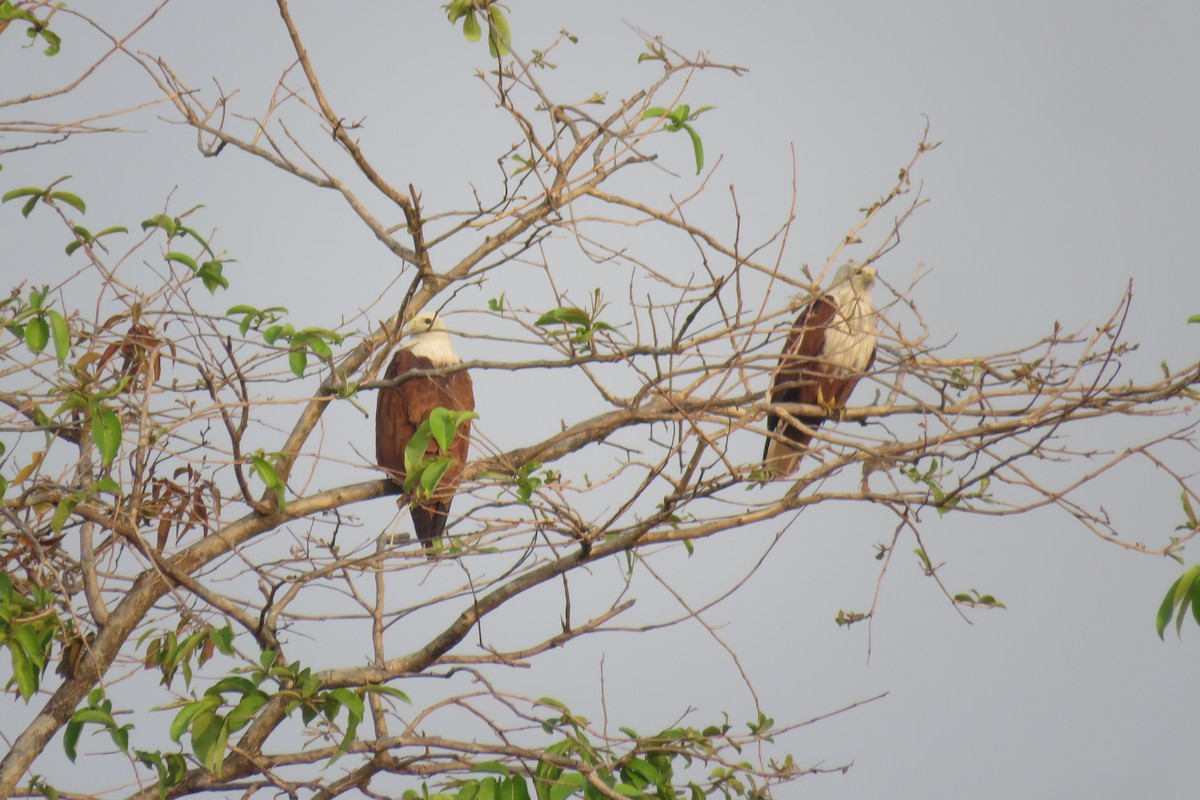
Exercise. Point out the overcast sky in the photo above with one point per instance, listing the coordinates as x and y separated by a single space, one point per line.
1069 164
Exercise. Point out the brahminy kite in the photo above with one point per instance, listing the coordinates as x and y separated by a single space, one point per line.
830 347
400 410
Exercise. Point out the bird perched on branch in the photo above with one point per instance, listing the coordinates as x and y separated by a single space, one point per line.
830 347
400 412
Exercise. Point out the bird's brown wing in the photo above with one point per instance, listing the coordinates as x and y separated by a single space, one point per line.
394 425
400 411
802 377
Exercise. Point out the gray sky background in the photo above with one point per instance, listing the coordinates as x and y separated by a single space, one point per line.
1068 165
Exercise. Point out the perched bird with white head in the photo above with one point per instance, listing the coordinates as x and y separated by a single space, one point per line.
400 410
830 347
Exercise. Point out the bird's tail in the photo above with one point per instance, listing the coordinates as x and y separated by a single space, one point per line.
782 456
429 522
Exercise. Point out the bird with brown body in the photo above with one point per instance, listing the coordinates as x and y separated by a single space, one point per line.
400 410
831 346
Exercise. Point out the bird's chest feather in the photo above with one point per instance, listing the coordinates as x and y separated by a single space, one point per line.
850 339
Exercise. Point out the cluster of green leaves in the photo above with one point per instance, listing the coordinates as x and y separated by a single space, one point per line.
578 326
654 52
210 271
170 653
846 618
942 501
28 628
37 27
647 767
423 472
301 342
469 11
1184 594
680 119
84 237
98 711
170 767
974 598
36 325
211 719
49 195
527 482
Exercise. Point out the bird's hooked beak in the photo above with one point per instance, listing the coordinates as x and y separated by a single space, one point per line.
868 274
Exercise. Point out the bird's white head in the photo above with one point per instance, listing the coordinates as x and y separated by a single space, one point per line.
860 277
427 337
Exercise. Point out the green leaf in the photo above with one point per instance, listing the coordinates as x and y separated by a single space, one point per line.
264 470
106 431
443 427
1165 609
62 513
72 200
387 691
184 718
643 769
28 191
415 450
71 738
61 334
513 788
24 673
185 231
565 316
351 701
1194 318
243 713
53 42
432 475
234 685
160 221
298 360
276 332
697 146
471 29
209 744
1187 509
223 639
210 274
318 346
37 334
183 258
456 8
491 766
499 34
567 785
1183 596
